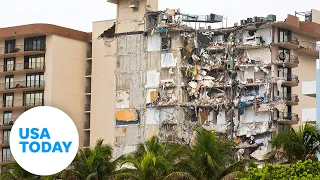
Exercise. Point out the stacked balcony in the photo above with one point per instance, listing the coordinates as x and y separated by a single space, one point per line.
21 50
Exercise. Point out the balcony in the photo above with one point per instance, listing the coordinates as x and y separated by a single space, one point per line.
4 141
288 118
20 104
292 44
21 68
7 123
22 86
291 100
308 47
87 107
6 159
20 50
86 125
289 80
291 62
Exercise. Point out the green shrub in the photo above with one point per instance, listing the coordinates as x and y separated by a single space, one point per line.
306 170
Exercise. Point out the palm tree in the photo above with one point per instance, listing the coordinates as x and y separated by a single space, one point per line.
210 157
91 164
152 160
300 144
14 171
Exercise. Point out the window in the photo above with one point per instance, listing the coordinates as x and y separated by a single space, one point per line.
6 136
9 64
8 82
284 73
34 44
165 43
6 154
8 100
284 35
287 114
284 54
35 80
10 46
7 117
33 98
286 93
34 62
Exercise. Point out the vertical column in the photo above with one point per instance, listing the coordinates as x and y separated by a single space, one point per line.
318 86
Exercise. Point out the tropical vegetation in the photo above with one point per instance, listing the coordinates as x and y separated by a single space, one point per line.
211 156
307 170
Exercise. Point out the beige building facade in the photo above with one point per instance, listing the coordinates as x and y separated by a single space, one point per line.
41 65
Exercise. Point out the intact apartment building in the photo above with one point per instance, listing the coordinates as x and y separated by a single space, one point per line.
311 88
163 77
42 65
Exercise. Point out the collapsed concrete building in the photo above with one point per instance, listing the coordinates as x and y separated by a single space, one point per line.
171 77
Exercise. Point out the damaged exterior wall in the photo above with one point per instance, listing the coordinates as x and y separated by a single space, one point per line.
238 81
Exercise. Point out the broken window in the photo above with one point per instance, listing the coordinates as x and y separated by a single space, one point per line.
284 54
152 20
165 43
284 35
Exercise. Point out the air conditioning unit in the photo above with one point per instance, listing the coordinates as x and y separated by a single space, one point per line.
134 4
271 17
308 16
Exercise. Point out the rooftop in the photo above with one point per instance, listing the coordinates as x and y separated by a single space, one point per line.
43 29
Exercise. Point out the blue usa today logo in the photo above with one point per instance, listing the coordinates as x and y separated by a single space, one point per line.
44 140
38 141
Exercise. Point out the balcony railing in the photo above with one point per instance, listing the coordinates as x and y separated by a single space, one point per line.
289 77
87 107
20 48
22 84
289 116
309 45
21 66
88 89
88 71
293 59
87 125
7 50
21 103
7 121
293 98
293 40
5 140
5 158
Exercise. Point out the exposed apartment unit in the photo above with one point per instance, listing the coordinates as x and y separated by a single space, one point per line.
41 65
165 77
